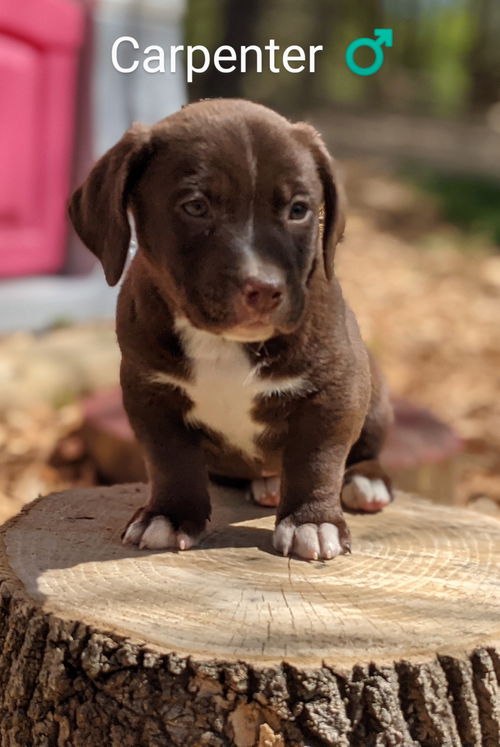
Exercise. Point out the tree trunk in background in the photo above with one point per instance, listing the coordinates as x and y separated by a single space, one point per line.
240 21
322 32
373 19
484 74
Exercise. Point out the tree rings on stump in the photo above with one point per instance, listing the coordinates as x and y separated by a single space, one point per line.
229 643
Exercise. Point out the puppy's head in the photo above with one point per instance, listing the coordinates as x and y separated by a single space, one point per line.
226 197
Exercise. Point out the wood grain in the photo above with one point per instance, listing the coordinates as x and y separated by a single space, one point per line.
278 646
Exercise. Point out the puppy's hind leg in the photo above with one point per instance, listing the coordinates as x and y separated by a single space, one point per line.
366 485
265 491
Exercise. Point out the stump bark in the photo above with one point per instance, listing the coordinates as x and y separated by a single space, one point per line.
230 644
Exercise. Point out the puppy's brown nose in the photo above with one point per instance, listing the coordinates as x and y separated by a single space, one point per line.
262 297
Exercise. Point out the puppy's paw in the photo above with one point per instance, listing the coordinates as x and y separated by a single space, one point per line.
366 494
155 532
266 491
311 541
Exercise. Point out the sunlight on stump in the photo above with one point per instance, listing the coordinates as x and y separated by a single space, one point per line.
231 644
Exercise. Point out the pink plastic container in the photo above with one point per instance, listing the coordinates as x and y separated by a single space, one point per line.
39 41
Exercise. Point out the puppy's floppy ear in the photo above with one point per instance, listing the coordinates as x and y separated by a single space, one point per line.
98 209
333 193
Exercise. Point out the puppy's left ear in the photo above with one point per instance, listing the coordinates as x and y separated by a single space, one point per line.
333 192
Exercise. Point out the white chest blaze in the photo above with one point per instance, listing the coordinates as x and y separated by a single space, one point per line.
224 387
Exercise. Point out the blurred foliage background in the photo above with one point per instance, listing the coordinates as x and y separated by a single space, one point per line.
433 107
445 60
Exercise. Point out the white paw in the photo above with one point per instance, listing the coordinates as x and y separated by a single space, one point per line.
364 494
156 534
307 541
266 491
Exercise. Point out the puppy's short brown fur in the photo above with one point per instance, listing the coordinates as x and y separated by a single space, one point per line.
240 357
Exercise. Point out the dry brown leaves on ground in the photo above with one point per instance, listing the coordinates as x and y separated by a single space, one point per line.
430 309
42 378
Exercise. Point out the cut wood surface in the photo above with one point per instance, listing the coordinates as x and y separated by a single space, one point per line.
230 643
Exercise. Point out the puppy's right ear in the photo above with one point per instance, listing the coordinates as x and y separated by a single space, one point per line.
98 209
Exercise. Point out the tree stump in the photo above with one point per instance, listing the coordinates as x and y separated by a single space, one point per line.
231 644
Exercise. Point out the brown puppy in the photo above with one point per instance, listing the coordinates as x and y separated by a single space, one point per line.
240 357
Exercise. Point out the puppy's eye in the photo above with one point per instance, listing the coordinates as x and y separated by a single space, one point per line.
196 208
298 210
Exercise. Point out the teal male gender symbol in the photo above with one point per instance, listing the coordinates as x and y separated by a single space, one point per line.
384 38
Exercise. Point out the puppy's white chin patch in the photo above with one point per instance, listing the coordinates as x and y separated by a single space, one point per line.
247 334
252 333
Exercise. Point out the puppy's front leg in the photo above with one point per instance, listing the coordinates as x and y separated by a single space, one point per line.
309 521
179 503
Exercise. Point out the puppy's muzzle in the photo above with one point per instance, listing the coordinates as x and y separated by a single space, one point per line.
261 297
258 304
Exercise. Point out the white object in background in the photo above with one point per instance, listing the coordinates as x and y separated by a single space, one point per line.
120 98
38 302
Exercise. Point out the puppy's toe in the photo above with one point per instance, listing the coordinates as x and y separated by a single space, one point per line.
365 494
158 535
308 541
266 491
185 541
283 536
329 541
134 531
